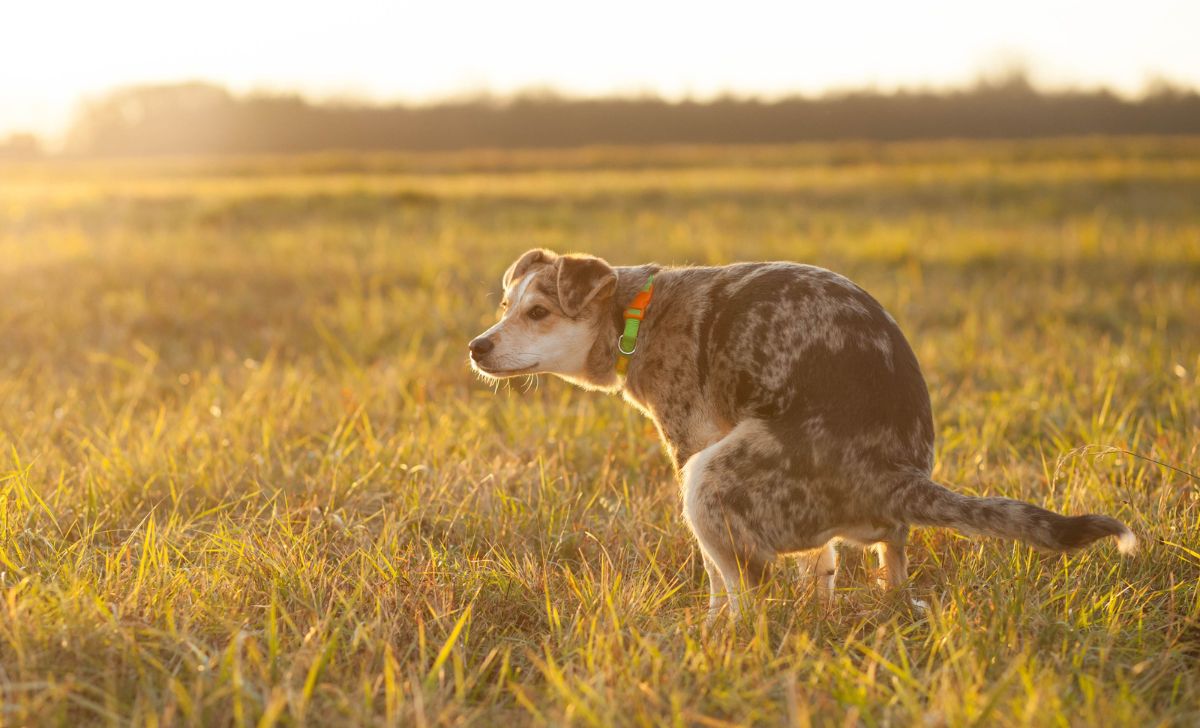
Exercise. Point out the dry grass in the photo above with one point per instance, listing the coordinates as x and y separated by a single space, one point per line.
246 476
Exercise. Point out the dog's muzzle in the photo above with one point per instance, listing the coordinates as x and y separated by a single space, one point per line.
480 347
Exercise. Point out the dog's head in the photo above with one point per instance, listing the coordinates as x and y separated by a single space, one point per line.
553 311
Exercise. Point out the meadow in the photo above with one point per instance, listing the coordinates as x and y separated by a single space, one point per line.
246 476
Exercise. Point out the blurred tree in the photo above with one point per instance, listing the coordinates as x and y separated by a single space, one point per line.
197 118
20 146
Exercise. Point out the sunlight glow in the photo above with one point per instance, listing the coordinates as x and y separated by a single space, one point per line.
52 53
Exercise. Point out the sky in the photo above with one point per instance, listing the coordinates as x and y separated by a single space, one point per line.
54 53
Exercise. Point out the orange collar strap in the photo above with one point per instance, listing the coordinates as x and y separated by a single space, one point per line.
627 341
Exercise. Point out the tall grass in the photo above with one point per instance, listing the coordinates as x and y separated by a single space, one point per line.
246 476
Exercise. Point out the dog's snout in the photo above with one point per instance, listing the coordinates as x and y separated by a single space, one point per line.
480 347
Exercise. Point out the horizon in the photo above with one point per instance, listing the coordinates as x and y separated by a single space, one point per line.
384 53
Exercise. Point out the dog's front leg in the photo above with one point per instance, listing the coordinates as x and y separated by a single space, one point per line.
718 595
713 498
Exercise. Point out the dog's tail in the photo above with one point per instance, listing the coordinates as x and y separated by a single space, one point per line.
922 502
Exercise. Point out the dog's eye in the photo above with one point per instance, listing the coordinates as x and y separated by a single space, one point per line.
537 313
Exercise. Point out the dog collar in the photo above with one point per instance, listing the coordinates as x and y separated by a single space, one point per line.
634 313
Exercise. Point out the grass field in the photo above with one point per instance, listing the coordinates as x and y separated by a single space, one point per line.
246 476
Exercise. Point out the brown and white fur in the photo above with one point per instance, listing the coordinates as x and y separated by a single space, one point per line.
789 401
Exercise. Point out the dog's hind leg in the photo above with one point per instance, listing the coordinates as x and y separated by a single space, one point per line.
821 568
892 558
825 570
894 562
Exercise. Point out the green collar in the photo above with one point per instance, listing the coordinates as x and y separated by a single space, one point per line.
636 311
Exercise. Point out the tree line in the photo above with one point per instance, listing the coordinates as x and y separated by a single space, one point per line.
205 119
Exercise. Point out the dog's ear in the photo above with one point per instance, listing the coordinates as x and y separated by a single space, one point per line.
525 262
581 278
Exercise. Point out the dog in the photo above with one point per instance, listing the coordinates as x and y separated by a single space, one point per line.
792 406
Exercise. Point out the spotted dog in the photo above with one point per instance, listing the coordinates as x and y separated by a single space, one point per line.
788 399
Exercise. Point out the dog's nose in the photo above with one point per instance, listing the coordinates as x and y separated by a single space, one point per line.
480 347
